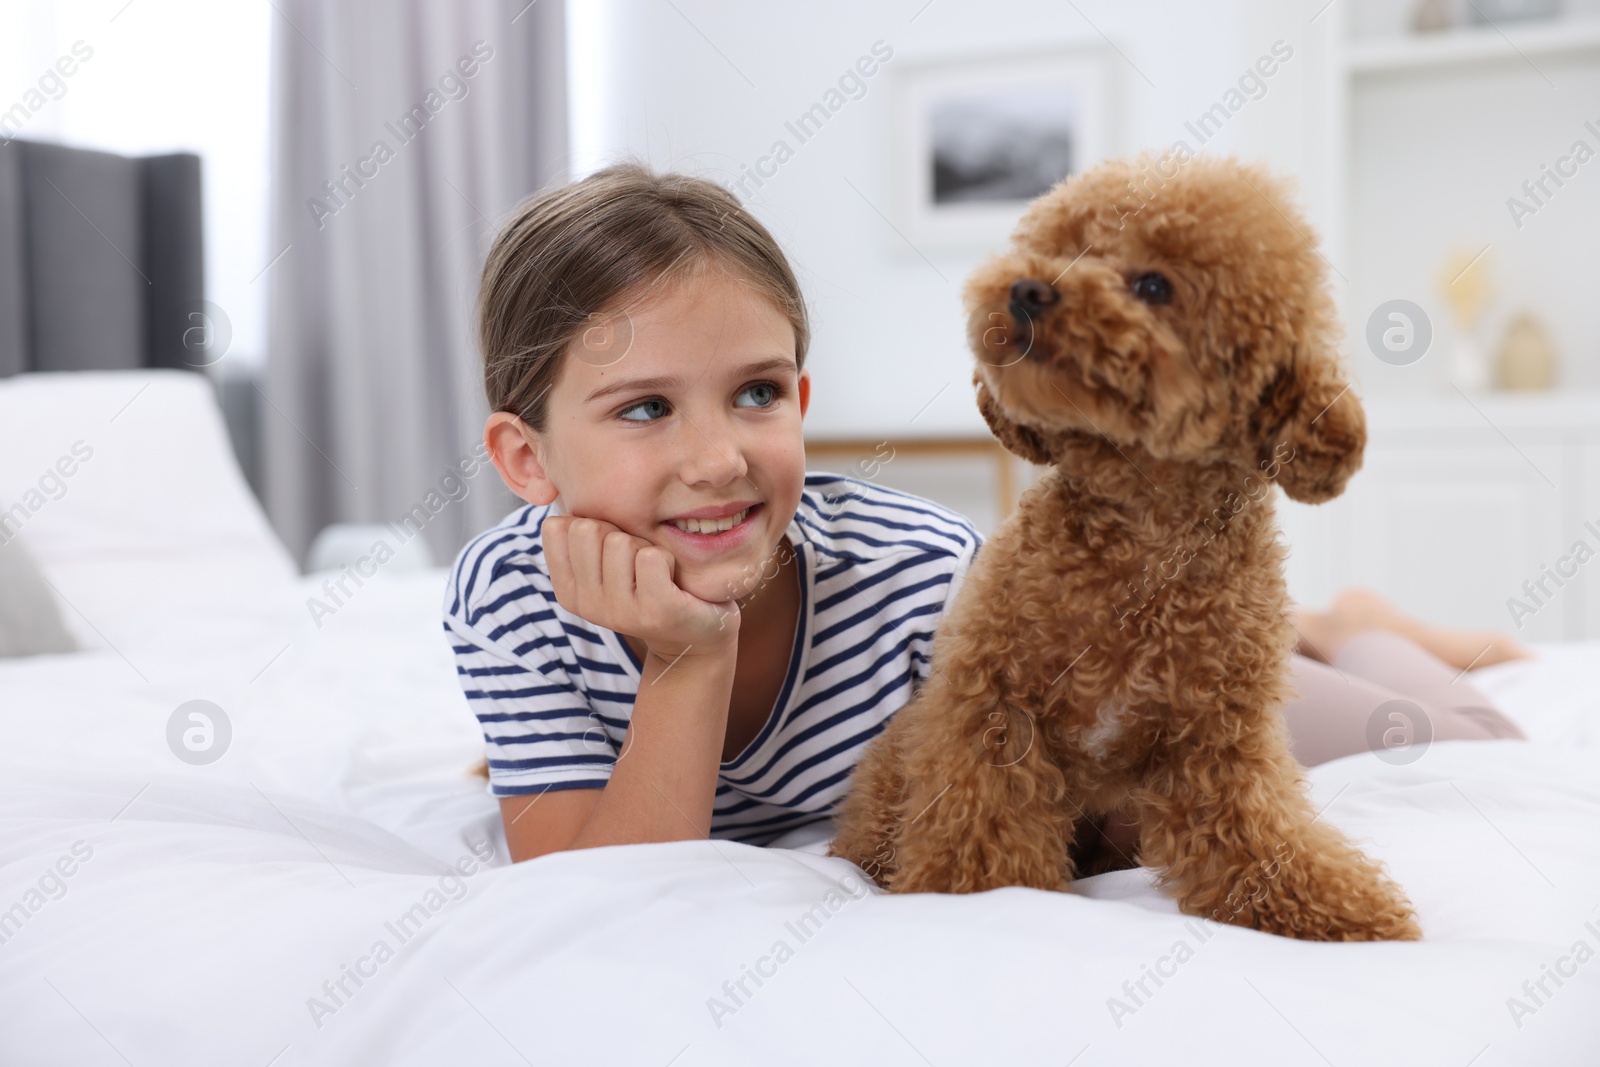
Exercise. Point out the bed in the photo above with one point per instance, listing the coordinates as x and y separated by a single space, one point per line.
332 886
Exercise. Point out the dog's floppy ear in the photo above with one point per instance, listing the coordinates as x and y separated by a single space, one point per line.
1312 429
1021 440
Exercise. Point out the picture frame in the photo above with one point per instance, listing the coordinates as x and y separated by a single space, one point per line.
976 138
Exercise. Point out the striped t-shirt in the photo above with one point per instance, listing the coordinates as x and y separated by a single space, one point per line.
554 692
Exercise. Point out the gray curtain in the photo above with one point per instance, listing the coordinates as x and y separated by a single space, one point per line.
403 134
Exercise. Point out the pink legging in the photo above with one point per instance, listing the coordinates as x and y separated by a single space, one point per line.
1384 692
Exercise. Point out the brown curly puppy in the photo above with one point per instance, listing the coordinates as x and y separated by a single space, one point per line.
1161 334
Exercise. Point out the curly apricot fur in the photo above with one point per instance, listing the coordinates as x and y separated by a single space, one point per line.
1122 641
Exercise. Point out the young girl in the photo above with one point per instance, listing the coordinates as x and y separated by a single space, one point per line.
684 634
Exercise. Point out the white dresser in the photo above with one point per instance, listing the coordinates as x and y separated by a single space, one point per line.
1462 500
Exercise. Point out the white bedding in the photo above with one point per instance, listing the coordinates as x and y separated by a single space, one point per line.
219 899
207 905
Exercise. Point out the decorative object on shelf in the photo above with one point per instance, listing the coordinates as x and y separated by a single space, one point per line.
974 140
1492 11
1526 359
1430 16
1464 281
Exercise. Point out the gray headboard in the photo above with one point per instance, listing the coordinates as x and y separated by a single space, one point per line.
102 266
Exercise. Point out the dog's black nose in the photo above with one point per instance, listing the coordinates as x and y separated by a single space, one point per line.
1029 298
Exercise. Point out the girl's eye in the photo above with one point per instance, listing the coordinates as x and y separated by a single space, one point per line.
762 393
649 410
767 392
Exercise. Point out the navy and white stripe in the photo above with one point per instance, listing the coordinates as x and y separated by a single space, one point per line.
554 693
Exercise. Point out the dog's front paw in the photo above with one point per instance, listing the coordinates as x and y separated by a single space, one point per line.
1316 926
1401 926
1375 912
975 870
919 877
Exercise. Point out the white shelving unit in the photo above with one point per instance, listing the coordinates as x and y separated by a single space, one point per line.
1428 137
1474 45
1423 137
1458 504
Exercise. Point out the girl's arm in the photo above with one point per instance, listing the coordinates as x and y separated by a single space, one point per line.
664 781
662 786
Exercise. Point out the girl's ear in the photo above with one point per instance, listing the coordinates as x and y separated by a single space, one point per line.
804 385
518 454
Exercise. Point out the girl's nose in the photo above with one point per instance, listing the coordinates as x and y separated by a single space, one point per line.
711 455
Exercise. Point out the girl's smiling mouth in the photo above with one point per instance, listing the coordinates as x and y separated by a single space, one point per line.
707 526
714 528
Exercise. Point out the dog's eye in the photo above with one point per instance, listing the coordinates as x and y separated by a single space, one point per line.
1153 288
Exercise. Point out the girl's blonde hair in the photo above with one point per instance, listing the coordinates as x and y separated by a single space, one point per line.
581 251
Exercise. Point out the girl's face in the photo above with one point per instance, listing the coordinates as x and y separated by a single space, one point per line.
678 421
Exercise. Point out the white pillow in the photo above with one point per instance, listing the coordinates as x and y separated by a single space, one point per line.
30 617
124 487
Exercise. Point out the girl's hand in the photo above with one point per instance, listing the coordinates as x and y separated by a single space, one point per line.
624 583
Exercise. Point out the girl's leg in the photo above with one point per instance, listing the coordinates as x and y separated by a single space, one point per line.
1396 662
1357 611
1338 704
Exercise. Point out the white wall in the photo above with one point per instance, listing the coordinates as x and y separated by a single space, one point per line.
706 86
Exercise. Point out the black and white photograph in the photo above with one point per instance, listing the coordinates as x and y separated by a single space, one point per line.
977 137
1003 145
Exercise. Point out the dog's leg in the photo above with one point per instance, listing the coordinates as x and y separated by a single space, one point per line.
984 808
867 823
1229 827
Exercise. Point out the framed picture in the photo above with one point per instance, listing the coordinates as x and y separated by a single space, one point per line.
976 139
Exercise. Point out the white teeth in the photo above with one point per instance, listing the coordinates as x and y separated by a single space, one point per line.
710 526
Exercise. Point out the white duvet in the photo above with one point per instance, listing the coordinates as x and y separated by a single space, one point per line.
334 888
